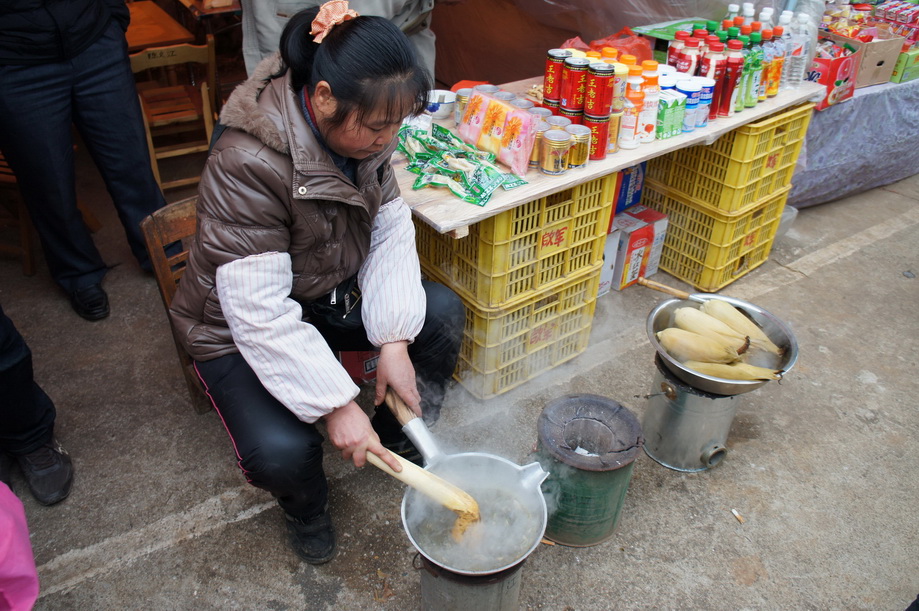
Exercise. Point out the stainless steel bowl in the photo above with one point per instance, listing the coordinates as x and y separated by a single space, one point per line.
661 317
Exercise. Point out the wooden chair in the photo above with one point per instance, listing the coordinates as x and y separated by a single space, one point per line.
178 118
174 222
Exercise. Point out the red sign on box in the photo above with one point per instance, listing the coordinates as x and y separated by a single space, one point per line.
838 75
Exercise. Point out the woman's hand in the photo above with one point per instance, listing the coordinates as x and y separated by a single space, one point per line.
350 431
395 369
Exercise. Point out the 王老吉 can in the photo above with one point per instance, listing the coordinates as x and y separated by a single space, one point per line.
555 58
541 128
574 77
599 135
575 116
598 92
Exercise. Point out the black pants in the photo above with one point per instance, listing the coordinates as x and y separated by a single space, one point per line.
96 92
283 455
26 412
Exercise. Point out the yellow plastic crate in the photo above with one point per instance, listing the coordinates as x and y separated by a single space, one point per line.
741 168
503 348
709 250
506 258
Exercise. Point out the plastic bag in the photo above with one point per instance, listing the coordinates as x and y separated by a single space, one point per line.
628 43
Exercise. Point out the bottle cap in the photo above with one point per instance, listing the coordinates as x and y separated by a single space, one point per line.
711 26
722 35
717 47
777 31
756 37
593 54
628 59
756 26
635 70
649 65
611 52
711 38
735 44
692 43
744 39
745 30
700 33
688 85
698 26
681 35
667 81
726 24
768 34
738 21
733 32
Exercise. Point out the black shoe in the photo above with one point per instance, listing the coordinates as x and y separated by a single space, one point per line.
313 539
90 302
48 472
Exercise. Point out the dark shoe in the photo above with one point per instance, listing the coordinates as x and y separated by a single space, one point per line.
90 302
48 472
313 539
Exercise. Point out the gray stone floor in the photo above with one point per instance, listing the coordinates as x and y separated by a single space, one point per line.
822 466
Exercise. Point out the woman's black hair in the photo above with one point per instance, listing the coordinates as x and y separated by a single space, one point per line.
367 61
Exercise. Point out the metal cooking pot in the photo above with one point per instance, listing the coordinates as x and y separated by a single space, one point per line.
661 317
491 480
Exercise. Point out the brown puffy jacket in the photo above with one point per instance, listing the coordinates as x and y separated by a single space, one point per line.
269 186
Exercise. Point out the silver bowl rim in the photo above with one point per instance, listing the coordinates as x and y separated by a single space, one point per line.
543 517
708 383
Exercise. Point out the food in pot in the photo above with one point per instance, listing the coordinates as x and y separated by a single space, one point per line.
688 346
734 371
733 318
697 321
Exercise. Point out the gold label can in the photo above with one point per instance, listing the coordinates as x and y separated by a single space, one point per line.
553 152
541 128
579 152
615 121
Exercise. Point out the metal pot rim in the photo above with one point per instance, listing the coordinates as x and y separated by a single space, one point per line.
542 510
711 384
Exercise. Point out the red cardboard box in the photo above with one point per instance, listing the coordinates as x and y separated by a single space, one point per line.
361 365
838 75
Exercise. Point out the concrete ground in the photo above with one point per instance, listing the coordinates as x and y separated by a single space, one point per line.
822 467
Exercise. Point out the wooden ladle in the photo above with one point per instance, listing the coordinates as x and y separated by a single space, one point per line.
434 487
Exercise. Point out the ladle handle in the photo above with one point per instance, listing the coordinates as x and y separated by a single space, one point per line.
657 286
397 406
425 482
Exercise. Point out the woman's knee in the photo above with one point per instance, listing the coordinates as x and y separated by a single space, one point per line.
283 461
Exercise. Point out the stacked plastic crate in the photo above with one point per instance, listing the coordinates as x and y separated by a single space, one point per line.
725 201
529 279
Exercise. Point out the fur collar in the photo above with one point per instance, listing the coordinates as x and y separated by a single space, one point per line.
246 111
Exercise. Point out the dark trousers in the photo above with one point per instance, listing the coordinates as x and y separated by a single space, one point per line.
26 412
38 104
283 455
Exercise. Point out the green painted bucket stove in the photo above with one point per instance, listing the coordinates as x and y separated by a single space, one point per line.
588 445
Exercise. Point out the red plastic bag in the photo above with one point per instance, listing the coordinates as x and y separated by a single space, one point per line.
575 43
628 42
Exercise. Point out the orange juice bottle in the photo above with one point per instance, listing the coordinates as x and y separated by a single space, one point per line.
634 101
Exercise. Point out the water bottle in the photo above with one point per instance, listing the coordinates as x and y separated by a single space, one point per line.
797 53
749 13
733 11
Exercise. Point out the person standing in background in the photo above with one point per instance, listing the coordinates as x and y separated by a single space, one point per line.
63 63
264 20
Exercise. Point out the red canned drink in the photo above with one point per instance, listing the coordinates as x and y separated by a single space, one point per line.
576 116
599 136
555 59
574 78
598 93
552 105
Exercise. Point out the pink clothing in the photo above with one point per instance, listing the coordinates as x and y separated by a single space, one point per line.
18 577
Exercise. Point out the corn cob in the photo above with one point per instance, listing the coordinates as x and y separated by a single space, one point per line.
734 371
691 319
733 318
687 346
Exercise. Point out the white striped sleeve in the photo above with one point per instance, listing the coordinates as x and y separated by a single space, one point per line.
288 355
390 278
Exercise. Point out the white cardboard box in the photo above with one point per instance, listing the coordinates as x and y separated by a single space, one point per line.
635 240
609 262
659 221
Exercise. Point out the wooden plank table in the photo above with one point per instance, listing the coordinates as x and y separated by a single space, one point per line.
151 26
447 214
198 10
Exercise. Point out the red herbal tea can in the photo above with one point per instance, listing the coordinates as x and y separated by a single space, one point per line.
599 135
598 93
574 77
555 59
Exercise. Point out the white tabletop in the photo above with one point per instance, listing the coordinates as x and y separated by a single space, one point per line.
447 214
